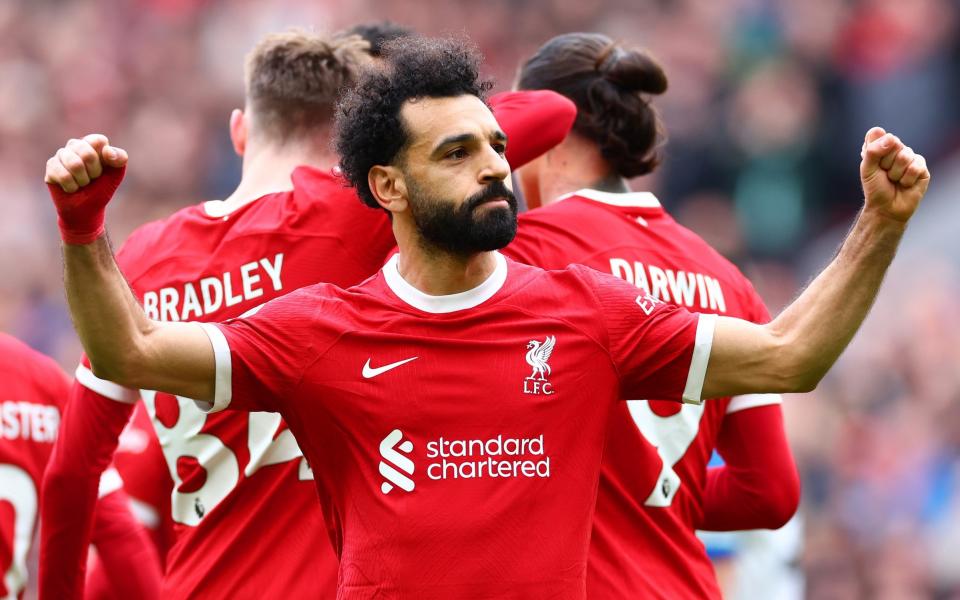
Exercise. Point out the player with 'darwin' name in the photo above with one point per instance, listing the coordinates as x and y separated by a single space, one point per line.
655 489
442 342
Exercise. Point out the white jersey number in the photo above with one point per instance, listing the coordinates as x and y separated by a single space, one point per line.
19 490
184 440
672 437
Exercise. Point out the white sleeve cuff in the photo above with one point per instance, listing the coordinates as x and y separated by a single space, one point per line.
746 401
110 482
107 389
223 385
701 356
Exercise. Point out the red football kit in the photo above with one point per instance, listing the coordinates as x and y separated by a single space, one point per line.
245 510
32 391
456 440
140 462
654 486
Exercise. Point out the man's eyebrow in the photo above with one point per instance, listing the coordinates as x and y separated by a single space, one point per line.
467 137
454 139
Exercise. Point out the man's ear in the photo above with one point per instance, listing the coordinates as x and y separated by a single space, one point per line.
238 131
388 187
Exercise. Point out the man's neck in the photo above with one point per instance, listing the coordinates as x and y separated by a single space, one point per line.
574 165
268 172
438 273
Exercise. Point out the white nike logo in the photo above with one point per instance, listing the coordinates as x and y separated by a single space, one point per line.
369 373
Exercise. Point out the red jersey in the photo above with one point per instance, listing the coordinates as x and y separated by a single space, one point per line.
247 520
655 463
456 440
33 391
140 462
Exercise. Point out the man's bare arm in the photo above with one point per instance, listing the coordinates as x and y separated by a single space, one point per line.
795 350
123 345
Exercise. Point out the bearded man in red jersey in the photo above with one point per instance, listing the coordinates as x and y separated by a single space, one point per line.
216 260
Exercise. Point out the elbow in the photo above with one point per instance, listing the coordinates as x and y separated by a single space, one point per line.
120 370
785 501
795 373
779 501
804 383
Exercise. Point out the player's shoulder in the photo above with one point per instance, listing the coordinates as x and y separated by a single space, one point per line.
15 351
151 241
321 302
567 285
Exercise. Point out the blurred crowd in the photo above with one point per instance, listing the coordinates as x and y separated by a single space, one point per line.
767 104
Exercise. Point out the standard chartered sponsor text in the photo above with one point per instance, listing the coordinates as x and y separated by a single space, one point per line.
496 457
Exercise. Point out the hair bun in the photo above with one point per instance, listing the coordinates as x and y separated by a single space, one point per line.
634 70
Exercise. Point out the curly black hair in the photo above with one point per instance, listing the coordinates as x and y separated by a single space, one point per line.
369 130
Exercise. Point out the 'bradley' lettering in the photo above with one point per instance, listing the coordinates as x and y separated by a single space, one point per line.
183 302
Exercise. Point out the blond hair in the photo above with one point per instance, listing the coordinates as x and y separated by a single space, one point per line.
293 80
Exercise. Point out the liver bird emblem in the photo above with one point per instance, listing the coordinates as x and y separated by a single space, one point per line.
537 356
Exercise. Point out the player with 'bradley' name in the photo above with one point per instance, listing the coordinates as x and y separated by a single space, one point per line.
466 327
246 519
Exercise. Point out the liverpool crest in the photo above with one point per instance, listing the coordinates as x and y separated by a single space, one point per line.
538 355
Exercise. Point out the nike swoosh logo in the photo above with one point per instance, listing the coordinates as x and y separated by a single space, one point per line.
369 373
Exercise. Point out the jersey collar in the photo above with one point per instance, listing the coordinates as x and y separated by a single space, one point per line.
449 303
627 200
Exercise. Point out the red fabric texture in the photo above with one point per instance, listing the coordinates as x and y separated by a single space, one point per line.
532 131
759 486
127 565
89 430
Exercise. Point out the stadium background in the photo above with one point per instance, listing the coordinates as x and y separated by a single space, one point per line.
767 105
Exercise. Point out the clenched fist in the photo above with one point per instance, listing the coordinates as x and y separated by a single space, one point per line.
894 177
82 178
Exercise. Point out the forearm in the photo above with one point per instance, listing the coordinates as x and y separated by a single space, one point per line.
125 550
86 440
816 328
794 351
123 345
109 321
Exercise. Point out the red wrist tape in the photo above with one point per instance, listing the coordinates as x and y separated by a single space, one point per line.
81 214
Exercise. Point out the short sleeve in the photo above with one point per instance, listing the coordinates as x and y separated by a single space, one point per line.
659 350
260 356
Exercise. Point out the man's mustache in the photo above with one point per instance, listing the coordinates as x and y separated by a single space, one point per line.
497 189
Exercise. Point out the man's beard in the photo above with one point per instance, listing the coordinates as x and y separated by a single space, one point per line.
464 230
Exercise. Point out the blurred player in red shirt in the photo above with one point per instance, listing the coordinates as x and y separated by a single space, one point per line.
33 391
655 487
454 405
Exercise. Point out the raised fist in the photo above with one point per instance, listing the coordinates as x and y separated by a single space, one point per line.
82 178
894 177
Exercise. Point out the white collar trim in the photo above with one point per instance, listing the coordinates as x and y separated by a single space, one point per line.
219 208
629 199
449 303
